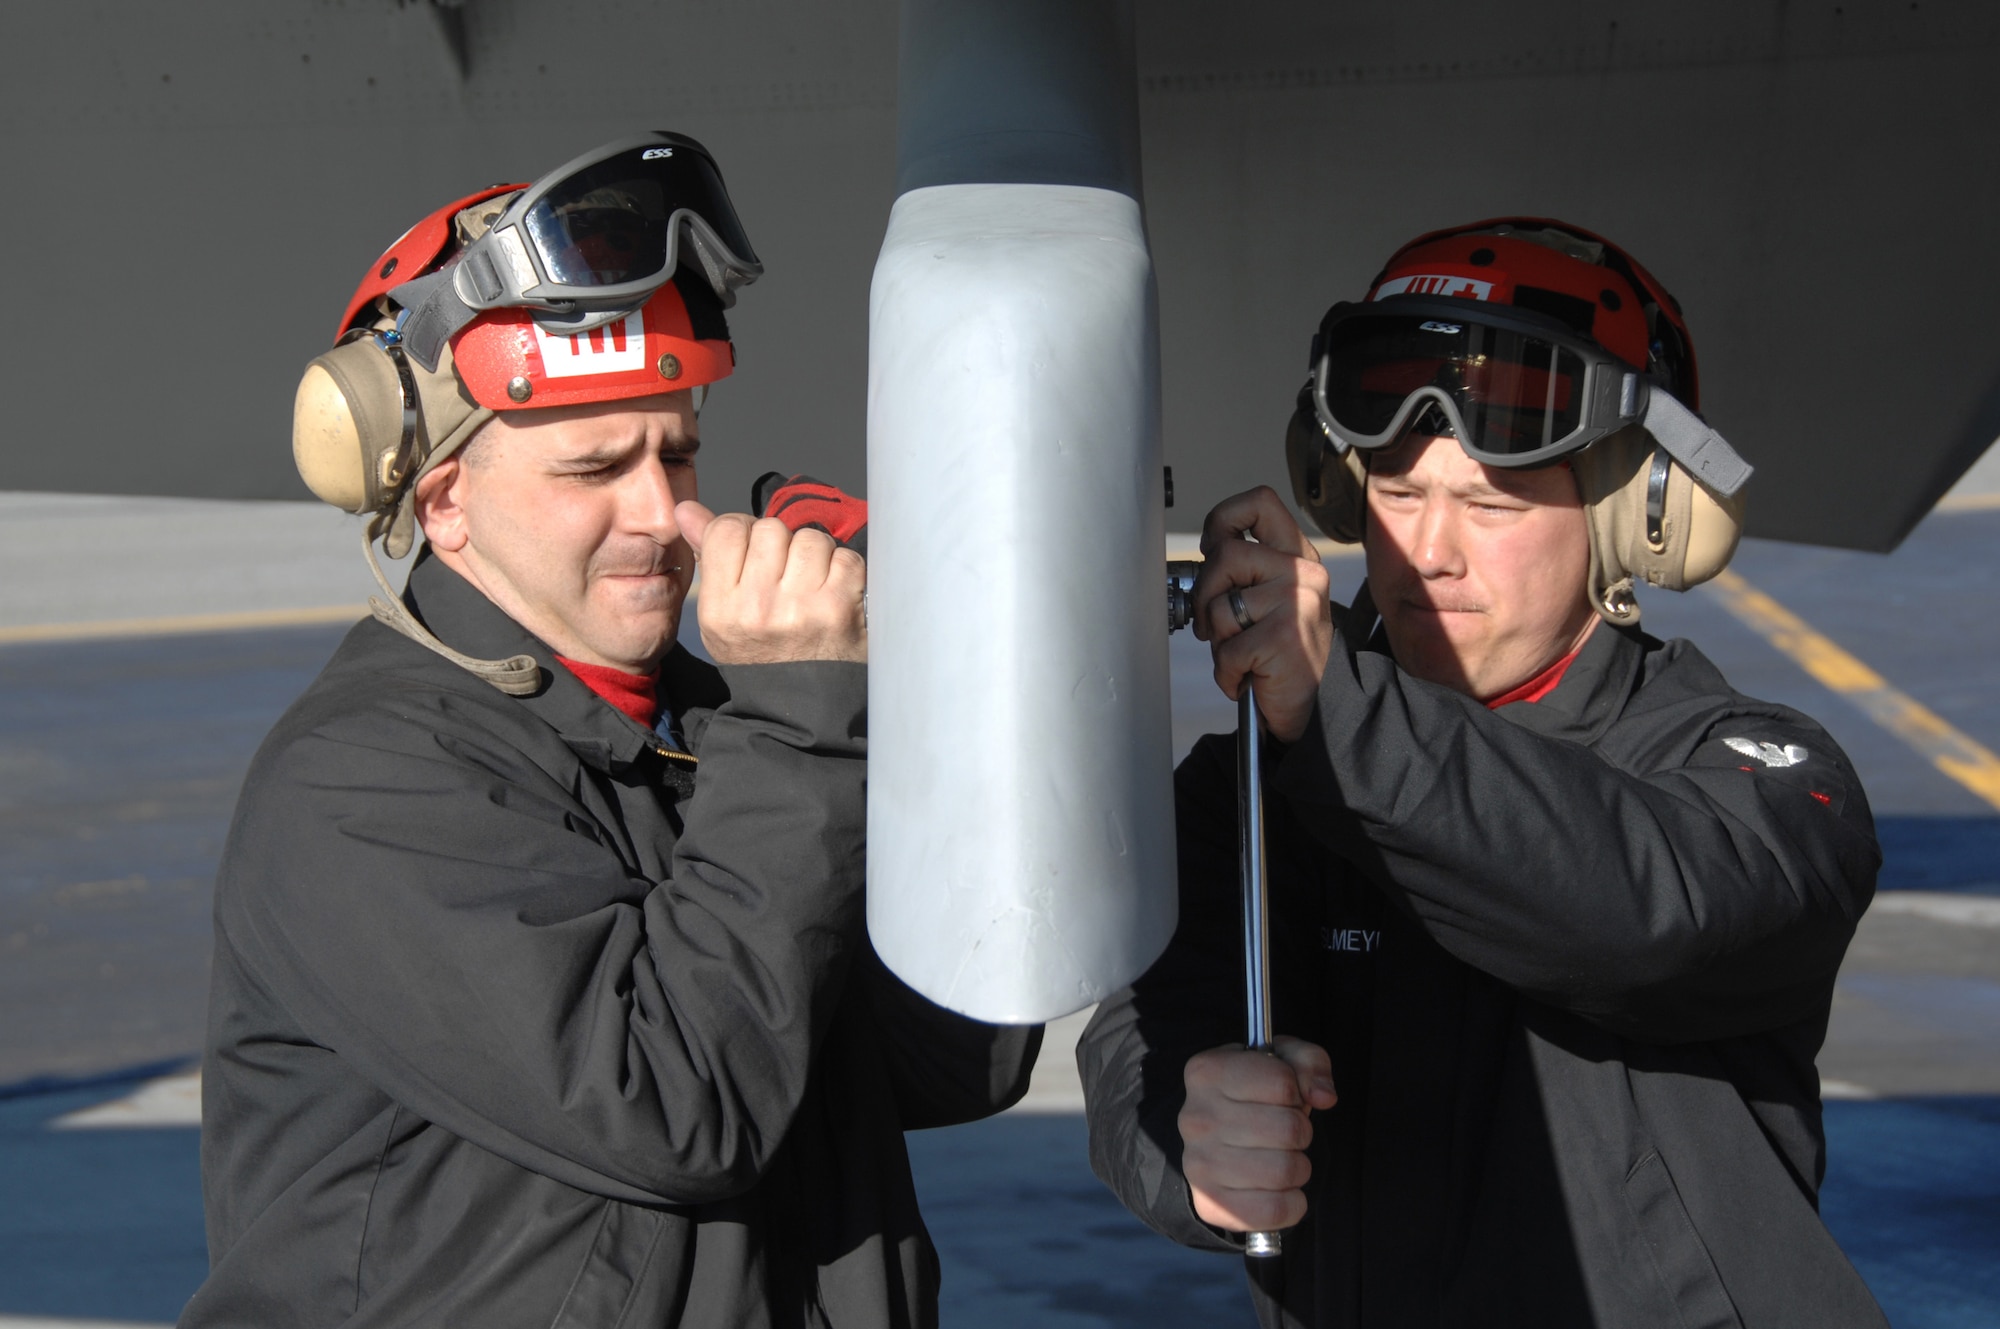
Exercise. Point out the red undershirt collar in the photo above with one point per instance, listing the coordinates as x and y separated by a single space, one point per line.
635 695
1538 687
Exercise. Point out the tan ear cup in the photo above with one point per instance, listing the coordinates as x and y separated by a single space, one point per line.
1330 487
1714 527
347 431
1649 520
367 423
347 426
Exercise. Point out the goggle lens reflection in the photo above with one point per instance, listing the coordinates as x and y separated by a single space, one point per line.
609 223
1515 393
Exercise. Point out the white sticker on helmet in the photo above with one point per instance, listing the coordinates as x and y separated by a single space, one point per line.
1436 284
612 349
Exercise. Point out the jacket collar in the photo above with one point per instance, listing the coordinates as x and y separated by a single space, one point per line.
461 616
1590 696
1592 691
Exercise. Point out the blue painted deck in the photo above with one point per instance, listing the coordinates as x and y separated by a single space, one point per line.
119 762
107 1224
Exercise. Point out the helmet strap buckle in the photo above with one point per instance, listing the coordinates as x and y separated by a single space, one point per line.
396 465
1656 500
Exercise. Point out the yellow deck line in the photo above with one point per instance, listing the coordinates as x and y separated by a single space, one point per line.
64 1322
176 624
1958 756
172 625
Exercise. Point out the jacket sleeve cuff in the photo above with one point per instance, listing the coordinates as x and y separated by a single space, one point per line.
1217 1239
818 705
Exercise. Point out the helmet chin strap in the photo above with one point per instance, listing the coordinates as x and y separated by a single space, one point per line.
517 675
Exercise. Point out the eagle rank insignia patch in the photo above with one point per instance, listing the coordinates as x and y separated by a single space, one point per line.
1769 753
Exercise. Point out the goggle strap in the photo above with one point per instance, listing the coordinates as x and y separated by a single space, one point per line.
725 270
434 313
1316 389
713 268
1705 454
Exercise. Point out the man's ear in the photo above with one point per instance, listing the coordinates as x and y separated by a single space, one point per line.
440 505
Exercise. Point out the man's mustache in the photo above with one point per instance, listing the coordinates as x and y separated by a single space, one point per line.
647 560
1445 604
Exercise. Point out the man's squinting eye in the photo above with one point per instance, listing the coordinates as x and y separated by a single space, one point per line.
595 472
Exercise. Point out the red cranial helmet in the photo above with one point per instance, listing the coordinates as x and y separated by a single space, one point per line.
380 408
1565 272
416 251
1533 343
605 280
515 357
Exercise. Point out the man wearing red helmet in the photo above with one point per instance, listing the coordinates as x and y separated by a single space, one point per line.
541 994
1556 913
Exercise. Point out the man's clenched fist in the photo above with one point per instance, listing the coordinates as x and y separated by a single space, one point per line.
769 594
1282 587
1245 1127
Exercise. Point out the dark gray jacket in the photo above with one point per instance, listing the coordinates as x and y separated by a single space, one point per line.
509 1028
1572 960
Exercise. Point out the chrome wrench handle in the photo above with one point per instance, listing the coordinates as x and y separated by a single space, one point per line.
1256 902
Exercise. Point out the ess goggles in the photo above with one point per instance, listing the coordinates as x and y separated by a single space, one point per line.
1518 389
591 241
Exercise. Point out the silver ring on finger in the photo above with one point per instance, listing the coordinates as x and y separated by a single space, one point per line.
1238 608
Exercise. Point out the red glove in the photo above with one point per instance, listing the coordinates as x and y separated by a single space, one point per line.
800 501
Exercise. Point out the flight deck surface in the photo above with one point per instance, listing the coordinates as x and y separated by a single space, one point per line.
122 746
